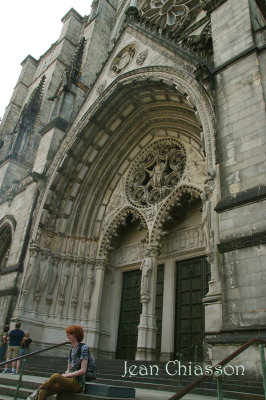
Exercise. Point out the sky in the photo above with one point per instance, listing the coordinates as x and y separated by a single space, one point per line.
29 27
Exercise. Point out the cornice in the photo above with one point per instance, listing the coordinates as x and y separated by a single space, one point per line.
242 242
243 198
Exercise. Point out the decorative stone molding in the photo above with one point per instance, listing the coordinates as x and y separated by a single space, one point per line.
200 44
175 199
119 220
155 172
184 240
241 242
117 200
243 198
127 254
123 59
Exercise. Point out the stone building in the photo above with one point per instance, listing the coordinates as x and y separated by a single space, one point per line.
133 181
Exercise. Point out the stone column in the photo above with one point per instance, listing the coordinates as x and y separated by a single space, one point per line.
168 318
96 299
147 329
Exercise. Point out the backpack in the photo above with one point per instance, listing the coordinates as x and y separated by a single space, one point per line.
91 367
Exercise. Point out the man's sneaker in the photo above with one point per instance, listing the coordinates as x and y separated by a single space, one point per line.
14 373
34 395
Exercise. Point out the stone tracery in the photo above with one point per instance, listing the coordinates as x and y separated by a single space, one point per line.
155 173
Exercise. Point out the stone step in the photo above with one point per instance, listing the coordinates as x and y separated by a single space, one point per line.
30 383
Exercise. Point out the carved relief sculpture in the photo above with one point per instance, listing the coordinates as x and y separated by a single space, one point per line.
63 284
76 284
53 274
141 57
123 59
43 274
146 268
88 286
196 168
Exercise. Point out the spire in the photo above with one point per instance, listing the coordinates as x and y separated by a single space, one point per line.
27 116
31 108
72 73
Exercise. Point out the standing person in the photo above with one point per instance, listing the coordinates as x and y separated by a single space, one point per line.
15 338
3 342
25 347
73 380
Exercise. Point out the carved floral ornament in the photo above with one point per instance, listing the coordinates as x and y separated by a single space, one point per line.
156 172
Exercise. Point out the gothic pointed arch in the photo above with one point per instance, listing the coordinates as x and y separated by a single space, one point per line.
98 139
184 197
120 220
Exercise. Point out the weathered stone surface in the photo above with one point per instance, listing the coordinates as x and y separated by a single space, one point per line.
147 149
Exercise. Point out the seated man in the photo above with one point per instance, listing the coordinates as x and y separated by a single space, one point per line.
73 380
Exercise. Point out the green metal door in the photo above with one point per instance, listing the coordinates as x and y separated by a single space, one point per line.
192 285
129 316
131 308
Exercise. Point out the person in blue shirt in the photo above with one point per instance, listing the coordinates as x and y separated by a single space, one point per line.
15 338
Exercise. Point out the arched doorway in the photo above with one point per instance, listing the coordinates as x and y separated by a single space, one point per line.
91 185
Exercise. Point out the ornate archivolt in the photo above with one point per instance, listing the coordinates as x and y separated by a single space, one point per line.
119 220
183 83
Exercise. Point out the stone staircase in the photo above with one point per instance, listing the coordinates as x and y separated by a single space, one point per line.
110 372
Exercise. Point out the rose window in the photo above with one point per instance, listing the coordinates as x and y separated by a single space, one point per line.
165 13
156 172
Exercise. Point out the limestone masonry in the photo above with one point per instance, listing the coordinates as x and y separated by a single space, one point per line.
132 182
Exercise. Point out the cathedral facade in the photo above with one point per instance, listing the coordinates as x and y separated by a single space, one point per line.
133 182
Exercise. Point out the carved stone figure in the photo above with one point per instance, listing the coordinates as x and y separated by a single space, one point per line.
146 268
43 274
88 286
101 87
141 57
53 274
157 174
76 283
123 59
64 279
30 271
196 168
206 218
